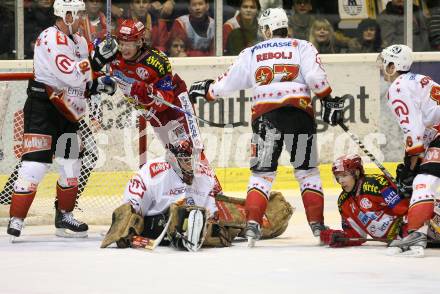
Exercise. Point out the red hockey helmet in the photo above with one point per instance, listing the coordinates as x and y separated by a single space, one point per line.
130 30
350 163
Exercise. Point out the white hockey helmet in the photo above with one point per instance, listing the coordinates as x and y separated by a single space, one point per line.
274 18
399 55
62 7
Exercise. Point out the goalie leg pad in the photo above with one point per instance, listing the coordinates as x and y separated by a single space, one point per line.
278 214
187 228
125 224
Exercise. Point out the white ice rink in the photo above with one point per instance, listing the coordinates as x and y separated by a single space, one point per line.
41 263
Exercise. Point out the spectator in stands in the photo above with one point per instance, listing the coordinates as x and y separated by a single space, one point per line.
241 31
176 48
434 23
322 36
93 26
368 38
6 31
391 22
37 18
196 29
301 19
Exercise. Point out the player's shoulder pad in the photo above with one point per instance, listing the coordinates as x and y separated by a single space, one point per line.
156 60
374 183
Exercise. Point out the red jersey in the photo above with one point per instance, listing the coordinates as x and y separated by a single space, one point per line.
373 208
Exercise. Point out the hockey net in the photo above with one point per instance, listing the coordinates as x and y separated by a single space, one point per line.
111 151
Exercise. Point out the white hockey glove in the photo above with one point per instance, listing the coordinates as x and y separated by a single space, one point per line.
104 53
104 84
199 88
332 110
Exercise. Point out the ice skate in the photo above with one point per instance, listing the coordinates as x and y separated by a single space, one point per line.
68 227
252 232
412 245
317 228
14 227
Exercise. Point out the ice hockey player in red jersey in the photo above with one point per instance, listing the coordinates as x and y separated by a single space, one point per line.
414 102
369 205
282 73
144 73
63 74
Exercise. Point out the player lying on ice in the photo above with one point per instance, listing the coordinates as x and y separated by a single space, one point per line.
369 206
172 195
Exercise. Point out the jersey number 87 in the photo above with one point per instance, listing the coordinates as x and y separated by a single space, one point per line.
265 74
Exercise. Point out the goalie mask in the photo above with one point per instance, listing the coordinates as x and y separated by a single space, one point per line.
180 156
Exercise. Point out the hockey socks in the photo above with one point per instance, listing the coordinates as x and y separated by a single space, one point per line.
255 205
419 214
21 202
314 206
66 197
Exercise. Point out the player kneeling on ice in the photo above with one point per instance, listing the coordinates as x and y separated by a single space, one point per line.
414 101
369 206
63 75
171 197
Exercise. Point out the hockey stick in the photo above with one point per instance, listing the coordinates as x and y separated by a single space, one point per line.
212 124
372 157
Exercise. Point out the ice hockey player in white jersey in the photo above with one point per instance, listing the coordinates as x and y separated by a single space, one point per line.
282 73
414 101
63 73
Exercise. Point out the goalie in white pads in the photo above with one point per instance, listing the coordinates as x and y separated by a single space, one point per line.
171 195
414 101
63 74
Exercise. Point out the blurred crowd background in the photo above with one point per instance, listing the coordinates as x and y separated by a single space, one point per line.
187 27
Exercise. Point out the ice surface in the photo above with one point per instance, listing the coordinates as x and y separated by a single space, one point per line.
41 263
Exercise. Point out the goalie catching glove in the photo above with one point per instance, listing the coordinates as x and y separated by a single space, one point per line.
332 110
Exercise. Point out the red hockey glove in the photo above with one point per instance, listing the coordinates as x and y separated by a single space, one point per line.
334 238
141 92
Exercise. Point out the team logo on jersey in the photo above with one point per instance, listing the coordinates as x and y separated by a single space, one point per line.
158 167
142 73
61 39
435 94
365 203
136 186
64 63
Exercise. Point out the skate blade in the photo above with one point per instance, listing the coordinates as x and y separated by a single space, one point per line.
251 242
65 233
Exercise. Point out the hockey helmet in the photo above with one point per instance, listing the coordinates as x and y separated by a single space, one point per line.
130 30
180 156
274 18
399 55
348 163
62 7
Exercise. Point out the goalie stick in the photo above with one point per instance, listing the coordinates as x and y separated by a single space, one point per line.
147 243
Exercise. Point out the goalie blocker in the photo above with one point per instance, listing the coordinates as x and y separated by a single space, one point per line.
188 228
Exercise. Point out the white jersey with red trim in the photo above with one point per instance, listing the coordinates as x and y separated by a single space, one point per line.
414 101
156 186
281 72
62 63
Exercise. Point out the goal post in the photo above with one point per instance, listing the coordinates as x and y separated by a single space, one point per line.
111 151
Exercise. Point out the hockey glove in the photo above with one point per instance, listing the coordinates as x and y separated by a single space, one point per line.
334 238
103 54
198 89
404 178
141 92
103 84
332 108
